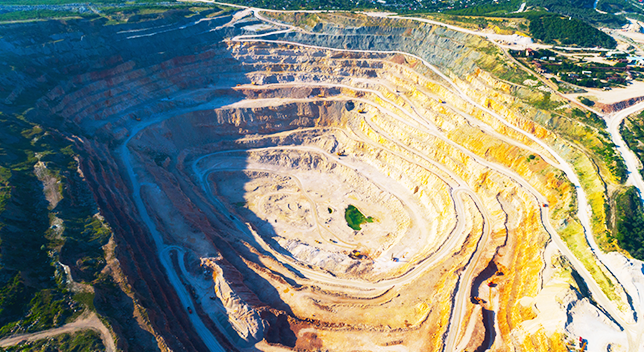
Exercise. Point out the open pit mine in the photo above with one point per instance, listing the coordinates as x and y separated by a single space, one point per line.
328 182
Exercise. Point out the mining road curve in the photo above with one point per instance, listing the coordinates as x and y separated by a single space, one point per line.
318 276
87 321
632 162
200 328
634 177
583 214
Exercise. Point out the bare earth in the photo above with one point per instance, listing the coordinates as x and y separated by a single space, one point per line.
635 89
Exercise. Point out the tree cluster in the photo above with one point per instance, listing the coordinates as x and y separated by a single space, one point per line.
569 31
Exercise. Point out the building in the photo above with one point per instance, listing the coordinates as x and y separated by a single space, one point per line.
636 60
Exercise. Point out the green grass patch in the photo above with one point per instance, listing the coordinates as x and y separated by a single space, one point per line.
488 9
48 308
545 103
569 31
589 118
586 101
144 12
355 218
5 190
87 299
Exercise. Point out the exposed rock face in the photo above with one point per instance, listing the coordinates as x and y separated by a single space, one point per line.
247 154
448 49
239 301
614 107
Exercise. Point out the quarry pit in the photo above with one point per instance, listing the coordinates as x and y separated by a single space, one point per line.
228 152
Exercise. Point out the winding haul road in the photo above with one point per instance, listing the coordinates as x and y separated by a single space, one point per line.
203 171
87 321
632 162
583 207
633 329
206 335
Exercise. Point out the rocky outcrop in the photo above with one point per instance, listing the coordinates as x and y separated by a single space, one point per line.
239 301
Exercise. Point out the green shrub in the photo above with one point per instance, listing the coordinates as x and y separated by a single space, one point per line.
586 101
355 218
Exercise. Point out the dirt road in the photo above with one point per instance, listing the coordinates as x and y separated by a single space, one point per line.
87 321
206 335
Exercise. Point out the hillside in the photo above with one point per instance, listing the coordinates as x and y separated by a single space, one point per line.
557 30
584 10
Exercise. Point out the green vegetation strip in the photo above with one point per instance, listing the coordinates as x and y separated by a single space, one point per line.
632 131
629 222
37 14
582 9
355 218
575 240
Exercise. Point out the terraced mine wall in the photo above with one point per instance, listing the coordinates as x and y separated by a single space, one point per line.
97 62
58 51
225 168
449 50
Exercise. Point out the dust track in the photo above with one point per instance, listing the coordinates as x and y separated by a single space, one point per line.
87 321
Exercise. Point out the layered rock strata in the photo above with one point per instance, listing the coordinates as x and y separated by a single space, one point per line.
226 167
